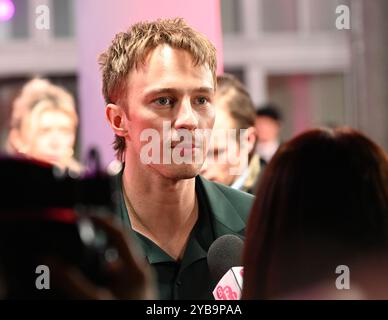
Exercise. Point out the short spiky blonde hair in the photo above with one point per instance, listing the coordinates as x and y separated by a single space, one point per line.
129 49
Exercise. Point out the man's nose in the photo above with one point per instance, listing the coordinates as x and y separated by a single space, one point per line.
186 118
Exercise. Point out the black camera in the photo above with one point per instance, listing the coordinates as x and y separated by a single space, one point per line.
44 212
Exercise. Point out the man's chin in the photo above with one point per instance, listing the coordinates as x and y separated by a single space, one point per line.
179 172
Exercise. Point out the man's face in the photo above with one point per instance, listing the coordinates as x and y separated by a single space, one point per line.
267 129
168 88
218 166
50 136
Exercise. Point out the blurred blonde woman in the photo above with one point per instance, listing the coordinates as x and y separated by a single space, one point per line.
44 124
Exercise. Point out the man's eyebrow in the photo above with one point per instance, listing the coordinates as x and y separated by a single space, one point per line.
205 89
161 90
175 91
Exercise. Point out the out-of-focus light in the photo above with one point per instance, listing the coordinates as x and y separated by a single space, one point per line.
7 10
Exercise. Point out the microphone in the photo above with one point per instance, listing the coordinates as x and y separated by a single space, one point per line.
224 258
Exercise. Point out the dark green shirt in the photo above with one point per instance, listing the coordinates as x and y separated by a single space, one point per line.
188 278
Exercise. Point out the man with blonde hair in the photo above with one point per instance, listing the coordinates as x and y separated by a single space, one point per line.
159 73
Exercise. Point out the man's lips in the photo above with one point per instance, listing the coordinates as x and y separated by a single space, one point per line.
190 144
185 145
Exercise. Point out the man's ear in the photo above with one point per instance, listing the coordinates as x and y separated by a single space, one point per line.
250 138
117 119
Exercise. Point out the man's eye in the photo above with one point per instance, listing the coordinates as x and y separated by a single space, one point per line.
164 101
201 100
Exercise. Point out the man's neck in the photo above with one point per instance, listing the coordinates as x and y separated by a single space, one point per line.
163 210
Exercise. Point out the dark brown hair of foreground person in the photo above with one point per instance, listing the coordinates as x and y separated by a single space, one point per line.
322 202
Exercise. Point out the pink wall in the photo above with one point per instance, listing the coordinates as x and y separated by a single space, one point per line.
97 23
301 102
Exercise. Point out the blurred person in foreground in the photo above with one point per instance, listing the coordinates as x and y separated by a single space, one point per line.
162 75
128 277
267 123
65 227
235 113
44 125
322 203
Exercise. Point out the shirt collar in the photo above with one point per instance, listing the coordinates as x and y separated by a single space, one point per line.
239 182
